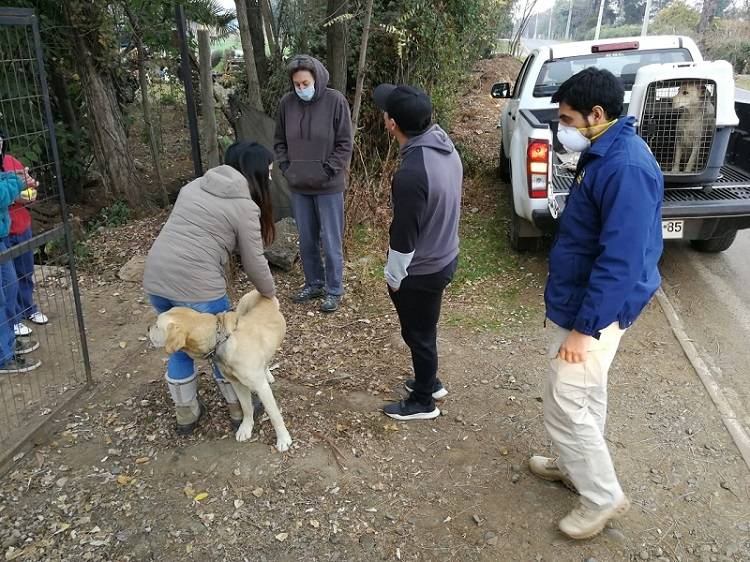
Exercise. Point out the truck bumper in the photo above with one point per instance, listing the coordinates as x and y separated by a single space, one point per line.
542 219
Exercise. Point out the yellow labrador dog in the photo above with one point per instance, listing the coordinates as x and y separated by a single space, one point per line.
242 343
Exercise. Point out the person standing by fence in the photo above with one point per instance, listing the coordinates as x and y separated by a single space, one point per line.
313 145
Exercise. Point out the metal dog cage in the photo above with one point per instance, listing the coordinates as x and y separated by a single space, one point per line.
679 124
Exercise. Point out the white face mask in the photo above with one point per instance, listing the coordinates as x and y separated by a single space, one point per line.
572 139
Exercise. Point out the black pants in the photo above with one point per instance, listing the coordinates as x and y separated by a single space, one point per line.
417 303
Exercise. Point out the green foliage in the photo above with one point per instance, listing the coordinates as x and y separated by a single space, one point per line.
115 215
678 18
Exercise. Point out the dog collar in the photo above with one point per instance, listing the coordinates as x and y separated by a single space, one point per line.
221 338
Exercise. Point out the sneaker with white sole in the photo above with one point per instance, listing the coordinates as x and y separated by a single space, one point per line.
24 346
22 330
19 364
547 469
586 522
438 391
39 318
407 410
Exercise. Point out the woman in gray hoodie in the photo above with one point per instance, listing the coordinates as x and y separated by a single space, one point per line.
313 145
228 208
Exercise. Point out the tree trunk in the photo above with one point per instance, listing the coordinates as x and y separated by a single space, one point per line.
207 96
110 142
255 19
64 104
707 16
253 85
336 43
148 120
267 12
361 66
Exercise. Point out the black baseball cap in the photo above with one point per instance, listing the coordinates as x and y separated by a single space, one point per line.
408 106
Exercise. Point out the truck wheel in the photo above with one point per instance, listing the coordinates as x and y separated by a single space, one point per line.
503 167
714 245
517 242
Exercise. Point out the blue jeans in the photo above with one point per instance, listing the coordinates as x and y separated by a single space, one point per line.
8 294
320 219
180 365
24 265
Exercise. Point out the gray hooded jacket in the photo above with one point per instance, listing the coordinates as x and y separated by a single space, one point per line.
313 141
213 215
426 197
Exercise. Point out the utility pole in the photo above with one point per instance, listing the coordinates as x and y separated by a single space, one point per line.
549 26
567 26
536 21
599 21
646 14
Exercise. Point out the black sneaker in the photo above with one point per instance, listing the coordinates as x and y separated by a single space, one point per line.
308 294
24 346
438 392
411 410
331 303
19 365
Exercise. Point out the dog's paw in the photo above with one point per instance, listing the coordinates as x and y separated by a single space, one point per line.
283 443
244 431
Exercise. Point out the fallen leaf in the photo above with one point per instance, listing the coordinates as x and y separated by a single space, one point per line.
391 427
238 504
124 480
281 537
314 523
63 527
258 492
189 491
200 497
142 460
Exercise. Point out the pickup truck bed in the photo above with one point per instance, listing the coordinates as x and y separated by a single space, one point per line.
727 198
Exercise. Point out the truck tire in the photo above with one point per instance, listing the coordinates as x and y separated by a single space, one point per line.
520 243
714 245
503 167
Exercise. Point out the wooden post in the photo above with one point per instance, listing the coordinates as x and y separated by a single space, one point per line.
207 98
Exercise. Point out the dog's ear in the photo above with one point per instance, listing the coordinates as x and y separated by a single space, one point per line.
175 339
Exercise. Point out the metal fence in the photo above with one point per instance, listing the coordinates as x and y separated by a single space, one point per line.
41 371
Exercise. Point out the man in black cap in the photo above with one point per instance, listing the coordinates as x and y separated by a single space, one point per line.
423 251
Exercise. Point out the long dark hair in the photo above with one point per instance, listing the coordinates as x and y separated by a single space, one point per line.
252 160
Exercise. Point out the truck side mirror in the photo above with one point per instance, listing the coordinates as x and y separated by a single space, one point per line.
501 90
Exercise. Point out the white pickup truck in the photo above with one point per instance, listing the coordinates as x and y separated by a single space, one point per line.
707 195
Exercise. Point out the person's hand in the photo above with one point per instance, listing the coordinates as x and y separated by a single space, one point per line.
27 180
575 348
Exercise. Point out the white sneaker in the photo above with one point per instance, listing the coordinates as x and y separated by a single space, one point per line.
39 318
22 329
586 522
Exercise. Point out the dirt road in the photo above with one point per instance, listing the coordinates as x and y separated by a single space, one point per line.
113 481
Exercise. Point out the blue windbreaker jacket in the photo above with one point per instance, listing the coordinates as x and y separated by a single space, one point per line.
603 266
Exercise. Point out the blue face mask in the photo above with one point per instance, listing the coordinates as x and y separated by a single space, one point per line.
306 94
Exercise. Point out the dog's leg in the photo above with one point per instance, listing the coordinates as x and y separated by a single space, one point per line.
269 376
677 156
690 167
283 439
246 400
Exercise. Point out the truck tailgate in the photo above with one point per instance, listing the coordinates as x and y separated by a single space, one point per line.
728 196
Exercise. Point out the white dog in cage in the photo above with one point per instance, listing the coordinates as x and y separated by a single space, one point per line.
697 113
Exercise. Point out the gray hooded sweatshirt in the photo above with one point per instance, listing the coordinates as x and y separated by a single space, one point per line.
313 141
426 198
213 215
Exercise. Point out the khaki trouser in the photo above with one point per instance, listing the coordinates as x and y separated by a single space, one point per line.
575 412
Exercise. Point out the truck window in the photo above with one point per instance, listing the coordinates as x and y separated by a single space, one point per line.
522 76
623 64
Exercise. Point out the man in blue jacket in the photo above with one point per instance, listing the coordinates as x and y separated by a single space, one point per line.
602 273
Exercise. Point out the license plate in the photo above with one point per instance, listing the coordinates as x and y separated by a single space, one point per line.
672 229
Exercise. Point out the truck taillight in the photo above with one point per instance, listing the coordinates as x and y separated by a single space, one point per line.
537 168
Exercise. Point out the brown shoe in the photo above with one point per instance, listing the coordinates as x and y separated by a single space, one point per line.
586 522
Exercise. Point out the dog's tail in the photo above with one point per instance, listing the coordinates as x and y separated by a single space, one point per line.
251 299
